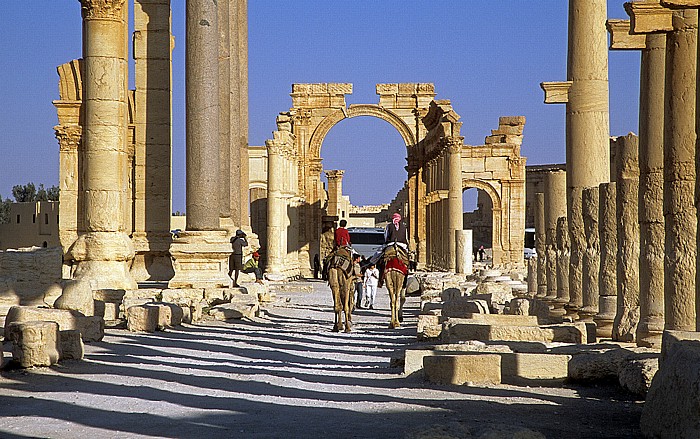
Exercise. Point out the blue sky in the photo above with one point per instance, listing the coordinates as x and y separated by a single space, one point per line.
487 57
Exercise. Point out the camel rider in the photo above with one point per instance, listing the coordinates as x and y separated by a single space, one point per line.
396 233
342 236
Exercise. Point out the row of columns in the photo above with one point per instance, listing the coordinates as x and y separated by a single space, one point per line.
638 270
104 251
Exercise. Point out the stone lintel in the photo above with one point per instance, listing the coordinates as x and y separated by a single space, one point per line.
681 4
649 17
556 92
620 37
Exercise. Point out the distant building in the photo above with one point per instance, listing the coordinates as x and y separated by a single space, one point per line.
32 224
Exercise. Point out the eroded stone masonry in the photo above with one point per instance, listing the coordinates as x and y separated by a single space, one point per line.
613 282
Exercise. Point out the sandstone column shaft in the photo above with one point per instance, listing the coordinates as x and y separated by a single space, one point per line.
335 192
587 123
228 87
275 209
555 206
591 257
578 247
202 96
680 212
103 253
563 260
607 281
242 53
454 202
651 183
627 183
540 245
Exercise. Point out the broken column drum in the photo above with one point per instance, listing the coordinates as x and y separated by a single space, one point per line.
591 257
607 281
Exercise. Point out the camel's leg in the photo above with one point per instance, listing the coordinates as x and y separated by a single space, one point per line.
403 300
346 304
334 283
393 288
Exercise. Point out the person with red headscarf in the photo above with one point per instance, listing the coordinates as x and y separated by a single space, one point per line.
396 232
252 266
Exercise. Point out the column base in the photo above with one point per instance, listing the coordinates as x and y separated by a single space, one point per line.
152 260
587 313
200 260
572 312
649 332
558 310
607 308
103 259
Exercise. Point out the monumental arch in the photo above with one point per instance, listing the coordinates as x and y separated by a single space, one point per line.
439 167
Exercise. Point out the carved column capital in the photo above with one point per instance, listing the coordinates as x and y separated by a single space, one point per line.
274 148
453 145
102 9
68 136
335 174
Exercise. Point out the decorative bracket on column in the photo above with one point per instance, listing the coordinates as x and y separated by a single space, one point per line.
649 16
556 92
621 38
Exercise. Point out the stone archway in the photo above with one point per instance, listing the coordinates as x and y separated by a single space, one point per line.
439 164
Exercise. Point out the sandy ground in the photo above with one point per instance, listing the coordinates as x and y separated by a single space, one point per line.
286 376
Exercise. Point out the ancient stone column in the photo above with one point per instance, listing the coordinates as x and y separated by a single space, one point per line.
242 58
555 206
680 211
607 280
229 161
104 252
540 245
563 258
591 256
464 251
454 201
152 170
578 246
651 183
627 182
335 192
200 254
275 208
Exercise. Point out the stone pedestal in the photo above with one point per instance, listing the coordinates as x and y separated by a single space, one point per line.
335 192
627 182
591 257
200 259
607 280
34 343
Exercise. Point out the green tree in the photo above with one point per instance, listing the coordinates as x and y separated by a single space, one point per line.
5 210
24 193
28 193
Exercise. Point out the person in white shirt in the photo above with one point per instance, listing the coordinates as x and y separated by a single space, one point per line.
371 281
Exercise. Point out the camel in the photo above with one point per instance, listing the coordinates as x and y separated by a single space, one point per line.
340 284
395 271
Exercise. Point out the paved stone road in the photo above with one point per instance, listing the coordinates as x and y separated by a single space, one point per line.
287 376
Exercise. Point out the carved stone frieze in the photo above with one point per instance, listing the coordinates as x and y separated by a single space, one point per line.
68 136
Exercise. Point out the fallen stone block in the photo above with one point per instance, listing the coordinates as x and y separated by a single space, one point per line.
565 333
451 294
142 318
169 314
216 296
413 357
429 326
672 406
77 295
481 369
494 319
34 343
183 296
601 366
635 375
109 295
669 341
91 328
238 310
71 343
519 307
523 369
462 306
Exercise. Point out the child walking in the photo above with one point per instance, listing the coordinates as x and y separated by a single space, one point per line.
371 281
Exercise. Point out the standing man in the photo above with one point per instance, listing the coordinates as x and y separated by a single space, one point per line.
235 262
371 282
